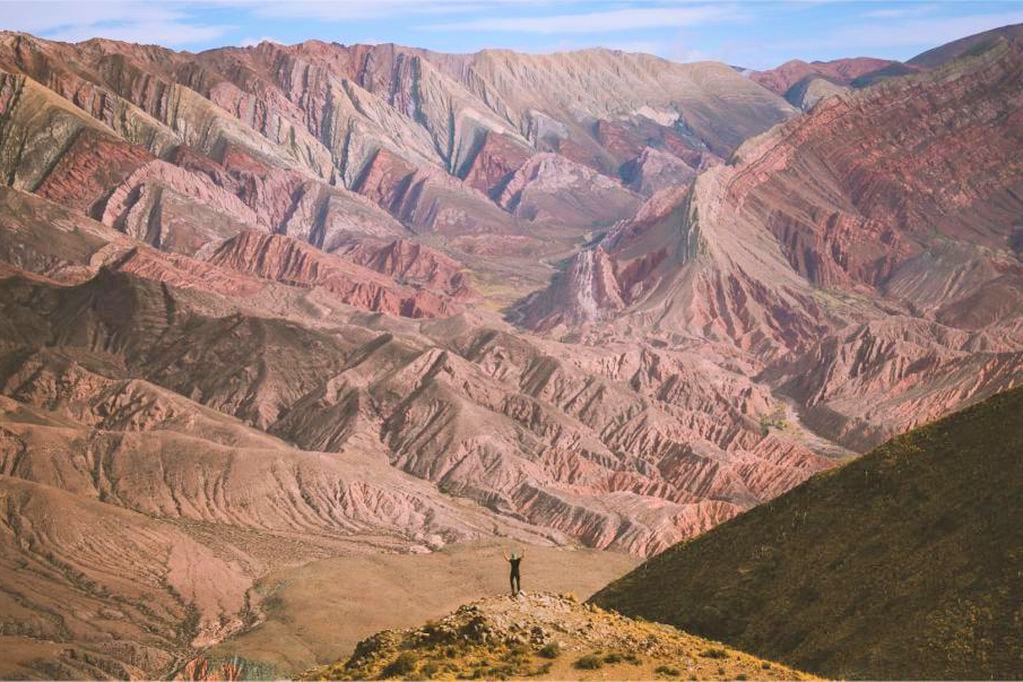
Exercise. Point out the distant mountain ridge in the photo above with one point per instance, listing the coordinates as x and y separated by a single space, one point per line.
847 253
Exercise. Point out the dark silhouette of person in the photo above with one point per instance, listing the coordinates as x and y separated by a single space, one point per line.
516 576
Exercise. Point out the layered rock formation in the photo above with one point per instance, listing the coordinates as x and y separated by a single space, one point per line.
782 79
812 89
649 436
430 138
160 385
285 260
278 303
863 249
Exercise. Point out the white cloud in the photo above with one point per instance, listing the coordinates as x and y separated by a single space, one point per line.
695 56
931 32
156 33
349 10
252 42
914 10
37 17
598 22
654 47
137 22
645 46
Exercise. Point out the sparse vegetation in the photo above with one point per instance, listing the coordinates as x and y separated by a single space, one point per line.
589 662
550 650
773 420
403 665
667 670
501 638
714 652
915 548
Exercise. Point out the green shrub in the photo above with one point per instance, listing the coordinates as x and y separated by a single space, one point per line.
518 651
714 652
668 670
589 662
613 657
551 650
740 676
494 672
765 665
402 666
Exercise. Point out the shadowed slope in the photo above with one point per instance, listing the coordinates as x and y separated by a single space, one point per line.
903 564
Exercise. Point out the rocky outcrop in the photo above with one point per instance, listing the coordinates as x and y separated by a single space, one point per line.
294 263
187 273
812 89
427 199
90 166
803 236
654 170
523 636
170 208
41 237
412 262
634 460
550 188
842 72
493 164
922 369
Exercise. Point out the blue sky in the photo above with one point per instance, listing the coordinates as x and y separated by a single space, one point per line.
756 34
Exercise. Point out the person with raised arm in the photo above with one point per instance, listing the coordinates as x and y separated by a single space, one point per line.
516 576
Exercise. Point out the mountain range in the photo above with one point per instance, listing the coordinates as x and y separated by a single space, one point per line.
276 304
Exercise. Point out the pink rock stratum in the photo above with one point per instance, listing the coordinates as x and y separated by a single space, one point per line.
265 305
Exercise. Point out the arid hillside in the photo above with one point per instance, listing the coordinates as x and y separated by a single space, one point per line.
268 310
862 259
545 636
904 563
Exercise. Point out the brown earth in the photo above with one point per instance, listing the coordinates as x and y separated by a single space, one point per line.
317 613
